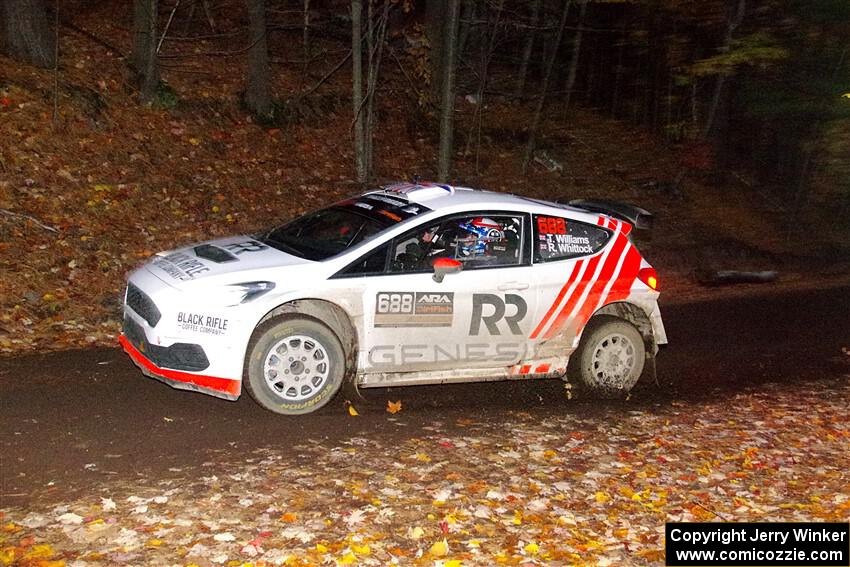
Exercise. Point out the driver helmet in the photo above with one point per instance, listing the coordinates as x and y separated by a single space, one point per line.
476 234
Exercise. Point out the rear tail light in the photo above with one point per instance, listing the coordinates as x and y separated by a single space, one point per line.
650 277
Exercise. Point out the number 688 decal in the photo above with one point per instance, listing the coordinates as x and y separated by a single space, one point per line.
551 225
392 302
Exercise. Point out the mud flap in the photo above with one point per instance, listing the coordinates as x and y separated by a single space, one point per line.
352 392
650 370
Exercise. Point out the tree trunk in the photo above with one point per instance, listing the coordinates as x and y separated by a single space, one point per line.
734 22
482 83
528 49
370 70
357 94
143 59
618 74
467 18
25 33
592 63
372 84
306 31
435 28
448 99
571 74
717 121
541 101
258 94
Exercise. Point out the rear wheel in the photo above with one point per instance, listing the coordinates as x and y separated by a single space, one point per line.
295 365
610 358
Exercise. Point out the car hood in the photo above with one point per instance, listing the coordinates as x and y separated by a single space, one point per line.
216 258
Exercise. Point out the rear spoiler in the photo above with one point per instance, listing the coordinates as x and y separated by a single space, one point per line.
640 218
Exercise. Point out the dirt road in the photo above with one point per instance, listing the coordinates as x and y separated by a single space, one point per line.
758 419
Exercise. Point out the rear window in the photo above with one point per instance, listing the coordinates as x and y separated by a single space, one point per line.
558 238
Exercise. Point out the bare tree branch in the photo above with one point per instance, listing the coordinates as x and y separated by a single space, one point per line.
34 220
327 76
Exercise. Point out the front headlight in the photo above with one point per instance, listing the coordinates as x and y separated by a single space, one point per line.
247 291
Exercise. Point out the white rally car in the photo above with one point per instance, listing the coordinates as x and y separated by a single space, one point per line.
409 284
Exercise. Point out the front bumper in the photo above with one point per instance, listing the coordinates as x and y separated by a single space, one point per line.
187 357
176 337
219 387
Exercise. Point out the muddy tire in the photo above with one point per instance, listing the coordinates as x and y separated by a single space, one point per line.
610 358
295 365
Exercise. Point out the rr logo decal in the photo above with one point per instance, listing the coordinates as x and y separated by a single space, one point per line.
247 246
479 300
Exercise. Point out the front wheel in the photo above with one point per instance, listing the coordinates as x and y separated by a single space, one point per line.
610 358
295 365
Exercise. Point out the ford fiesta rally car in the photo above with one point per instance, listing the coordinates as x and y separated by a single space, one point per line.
408 284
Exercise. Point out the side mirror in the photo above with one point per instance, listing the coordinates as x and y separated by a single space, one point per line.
445 266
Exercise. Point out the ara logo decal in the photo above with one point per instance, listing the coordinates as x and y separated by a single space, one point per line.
433 298
496 311
413 309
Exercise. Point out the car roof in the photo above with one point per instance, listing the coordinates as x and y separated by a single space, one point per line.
439 196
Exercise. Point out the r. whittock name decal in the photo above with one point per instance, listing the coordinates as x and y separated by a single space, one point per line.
561 244
413 309
200 323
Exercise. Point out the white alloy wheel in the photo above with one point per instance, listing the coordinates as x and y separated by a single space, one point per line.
610 357
295 365
296 368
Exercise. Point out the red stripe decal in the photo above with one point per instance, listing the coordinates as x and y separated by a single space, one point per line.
623 286
542 369
604 278
573 275
218 384
526 368
592 298
565 312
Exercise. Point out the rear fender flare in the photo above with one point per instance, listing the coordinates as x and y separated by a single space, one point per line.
637 317
641 320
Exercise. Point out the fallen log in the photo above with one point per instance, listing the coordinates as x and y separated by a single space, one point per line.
733 277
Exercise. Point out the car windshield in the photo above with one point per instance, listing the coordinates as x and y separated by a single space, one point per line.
325 233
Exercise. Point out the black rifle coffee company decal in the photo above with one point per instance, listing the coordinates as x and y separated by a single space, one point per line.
180 266
413 309
200 323
497 311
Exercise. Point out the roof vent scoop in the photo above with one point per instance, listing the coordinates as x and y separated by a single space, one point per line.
417 192
638 217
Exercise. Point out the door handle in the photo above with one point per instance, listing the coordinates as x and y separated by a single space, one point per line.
511 286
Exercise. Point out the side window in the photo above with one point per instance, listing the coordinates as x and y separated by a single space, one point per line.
479 241
558 238
374 262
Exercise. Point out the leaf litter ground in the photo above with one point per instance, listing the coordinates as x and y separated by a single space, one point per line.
518 490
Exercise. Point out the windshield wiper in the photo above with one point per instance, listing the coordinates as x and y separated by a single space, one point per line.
282 246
